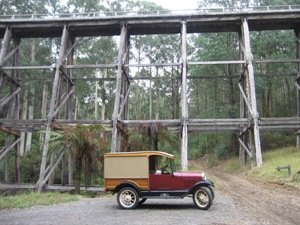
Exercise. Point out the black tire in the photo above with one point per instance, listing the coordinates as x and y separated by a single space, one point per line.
202 198
212 192
128 198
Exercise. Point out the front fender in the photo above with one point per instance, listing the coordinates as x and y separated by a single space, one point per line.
205 183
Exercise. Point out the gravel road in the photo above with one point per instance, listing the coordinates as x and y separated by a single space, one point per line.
104 210
238 201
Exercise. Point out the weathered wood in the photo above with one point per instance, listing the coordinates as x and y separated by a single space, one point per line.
152 24
50 187
228 62
5 150
57 161
8 98
63 101
11 53
9 131
41 67
293 61
124 102
123 36
69 104
184 104
53 100
29 134
245 99
17 106
250 74
5 45
245 147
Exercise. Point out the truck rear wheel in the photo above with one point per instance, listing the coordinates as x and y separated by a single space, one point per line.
128 198
202 198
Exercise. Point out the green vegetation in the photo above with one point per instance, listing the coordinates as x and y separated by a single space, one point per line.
87 146
30 199
280 157
268 172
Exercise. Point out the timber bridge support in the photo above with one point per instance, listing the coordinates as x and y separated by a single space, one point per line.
69 27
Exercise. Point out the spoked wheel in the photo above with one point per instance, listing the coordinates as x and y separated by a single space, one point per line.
202 198
128 198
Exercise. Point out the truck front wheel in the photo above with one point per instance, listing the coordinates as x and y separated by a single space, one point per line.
128 198
202 198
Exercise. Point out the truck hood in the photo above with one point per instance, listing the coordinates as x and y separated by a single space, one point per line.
200 176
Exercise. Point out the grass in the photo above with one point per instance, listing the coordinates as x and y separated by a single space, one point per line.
267 172
30 199
281 157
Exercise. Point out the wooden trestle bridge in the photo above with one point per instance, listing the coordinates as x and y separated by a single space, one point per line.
242 21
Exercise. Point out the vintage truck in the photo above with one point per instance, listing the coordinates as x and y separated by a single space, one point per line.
138 176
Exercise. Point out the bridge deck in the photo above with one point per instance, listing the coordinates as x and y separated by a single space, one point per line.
197 22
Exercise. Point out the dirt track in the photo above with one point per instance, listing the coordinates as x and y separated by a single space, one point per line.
263 203
238 202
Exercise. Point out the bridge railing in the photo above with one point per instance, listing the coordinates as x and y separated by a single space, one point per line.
104 14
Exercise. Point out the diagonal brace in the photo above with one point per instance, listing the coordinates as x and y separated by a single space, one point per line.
4 150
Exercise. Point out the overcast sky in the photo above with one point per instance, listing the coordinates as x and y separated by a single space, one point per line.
176 4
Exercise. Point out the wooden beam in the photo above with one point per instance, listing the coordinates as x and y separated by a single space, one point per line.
65 75
246 99
53 101
250 74
9 131
267 61
50 187
228 62
41 67
63 101
12 52
5 150
57 161
115 116
184 104
245 148
5 45
7 99
124 102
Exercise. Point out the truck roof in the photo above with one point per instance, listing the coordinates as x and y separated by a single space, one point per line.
139 154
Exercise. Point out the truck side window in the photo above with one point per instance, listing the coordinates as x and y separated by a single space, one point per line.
152 164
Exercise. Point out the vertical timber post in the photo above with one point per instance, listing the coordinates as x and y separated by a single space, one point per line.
5 45
17 107
243 112
251 80
69 105
297 34
115 143
4 49
53 102
184 105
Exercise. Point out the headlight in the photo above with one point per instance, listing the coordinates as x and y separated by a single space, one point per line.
203 176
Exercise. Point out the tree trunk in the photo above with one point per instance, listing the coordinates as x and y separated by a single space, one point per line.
158 96
51 178
23 116
96 101
29 134
44 111
103 106
31 107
